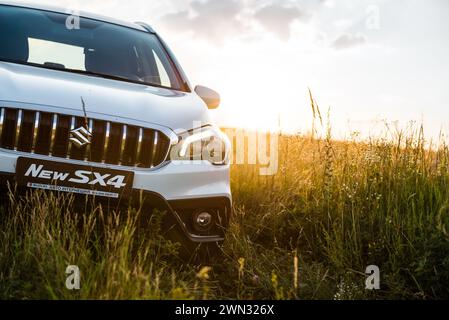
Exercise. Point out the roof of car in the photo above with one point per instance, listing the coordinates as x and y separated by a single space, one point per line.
69 10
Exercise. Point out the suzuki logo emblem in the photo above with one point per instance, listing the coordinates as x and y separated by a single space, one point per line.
80 137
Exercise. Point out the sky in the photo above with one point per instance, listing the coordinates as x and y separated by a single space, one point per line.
367 62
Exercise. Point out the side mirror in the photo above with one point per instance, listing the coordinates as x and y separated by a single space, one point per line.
209 96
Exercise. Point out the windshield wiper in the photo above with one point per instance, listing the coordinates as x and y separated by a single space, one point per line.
111 77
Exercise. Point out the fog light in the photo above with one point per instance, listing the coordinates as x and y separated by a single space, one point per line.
203 221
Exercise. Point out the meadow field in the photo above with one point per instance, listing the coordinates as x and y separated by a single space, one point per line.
308 232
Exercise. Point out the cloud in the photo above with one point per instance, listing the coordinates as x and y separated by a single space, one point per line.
277 18
216 20
347 40
210 19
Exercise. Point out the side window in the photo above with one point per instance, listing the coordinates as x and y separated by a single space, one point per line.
163 75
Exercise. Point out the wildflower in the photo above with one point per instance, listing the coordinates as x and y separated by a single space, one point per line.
203 274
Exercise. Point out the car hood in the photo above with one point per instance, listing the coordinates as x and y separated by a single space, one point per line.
103 98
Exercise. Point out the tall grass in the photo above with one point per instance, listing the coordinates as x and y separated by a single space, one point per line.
309 232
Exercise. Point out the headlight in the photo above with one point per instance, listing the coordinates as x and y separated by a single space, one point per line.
207 143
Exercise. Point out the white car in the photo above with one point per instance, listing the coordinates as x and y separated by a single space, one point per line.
100 108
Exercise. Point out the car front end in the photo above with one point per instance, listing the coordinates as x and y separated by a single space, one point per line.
84 112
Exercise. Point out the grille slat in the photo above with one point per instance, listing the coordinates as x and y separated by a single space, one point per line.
139 146
9 129
88 154
106 140
154 150
146 149
72 126
49 134
123 143
36 127
114 144
43 139
61 142
161 151
25 141
98 141
130 148
2 117
18 125
53 132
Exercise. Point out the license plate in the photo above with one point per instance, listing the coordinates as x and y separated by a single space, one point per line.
65 177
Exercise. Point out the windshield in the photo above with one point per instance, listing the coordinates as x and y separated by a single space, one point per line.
50 40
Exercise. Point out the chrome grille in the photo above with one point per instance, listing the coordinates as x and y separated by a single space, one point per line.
112 142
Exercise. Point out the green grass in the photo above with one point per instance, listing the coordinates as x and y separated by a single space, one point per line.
307 233
343 206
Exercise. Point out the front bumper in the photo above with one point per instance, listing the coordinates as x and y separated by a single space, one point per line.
175 180
178 188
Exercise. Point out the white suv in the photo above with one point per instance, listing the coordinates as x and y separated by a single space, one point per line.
101 108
